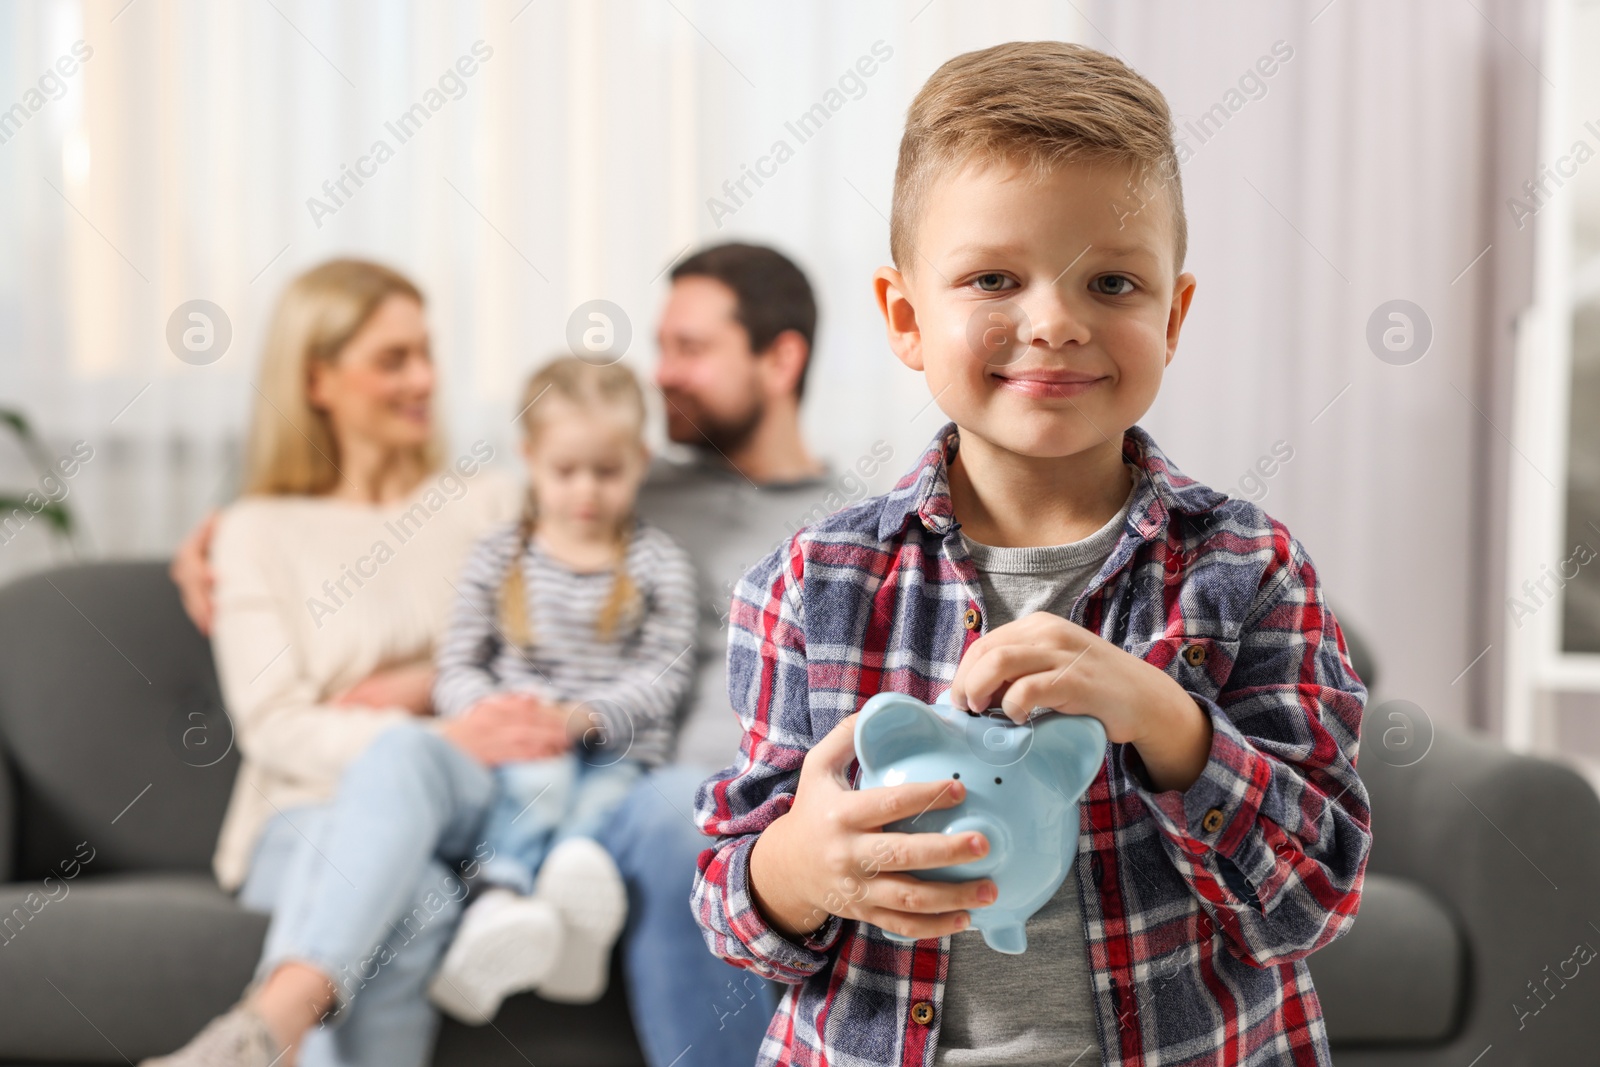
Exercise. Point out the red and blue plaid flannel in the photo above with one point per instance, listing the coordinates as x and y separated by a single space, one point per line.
1200 906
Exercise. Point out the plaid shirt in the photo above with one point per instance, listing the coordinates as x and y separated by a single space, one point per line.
1199 906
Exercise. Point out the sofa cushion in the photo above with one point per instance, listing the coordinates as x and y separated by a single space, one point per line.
102 967
1398 975
111 721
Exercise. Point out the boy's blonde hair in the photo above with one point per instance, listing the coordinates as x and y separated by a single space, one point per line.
1040 103
595 388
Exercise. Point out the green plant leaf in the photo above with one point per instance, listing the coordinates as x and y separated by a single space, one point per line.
54 512
59 518
57 515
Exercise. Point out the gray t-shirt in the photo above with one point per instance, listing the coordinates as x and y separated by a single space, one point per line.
727 524
1036 1008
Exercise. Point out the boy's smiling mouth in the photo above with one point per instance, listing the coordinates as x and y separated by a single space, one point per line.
1042 382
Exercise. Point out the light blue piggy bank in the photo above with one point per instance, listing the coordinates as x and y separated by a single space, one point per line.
1023 784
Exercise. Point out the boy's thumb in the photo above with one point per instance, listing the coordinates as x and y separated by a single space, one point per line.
837 748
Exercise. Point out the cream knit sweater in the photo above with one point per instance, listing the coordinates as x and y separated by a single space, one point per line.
314 594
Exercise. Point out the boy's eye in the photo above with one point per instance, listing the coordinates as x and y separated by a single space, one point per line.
991 283
1112 285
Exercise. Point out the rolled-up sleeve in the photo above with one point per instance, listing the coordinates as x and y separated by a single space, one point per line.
1273 837
767 684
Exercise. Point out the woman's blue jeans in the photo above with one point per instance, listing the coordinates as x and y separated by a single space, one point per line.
368 888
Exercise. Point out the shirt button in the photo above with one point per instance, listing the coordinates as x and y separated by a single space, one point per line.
1212 821
922 1013
971 619
1195 655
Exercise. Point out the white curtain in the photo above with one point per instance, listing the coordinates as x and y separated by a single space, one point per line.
595 142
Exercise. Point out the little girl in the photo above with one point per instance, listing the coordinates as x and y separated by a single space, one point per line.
577 610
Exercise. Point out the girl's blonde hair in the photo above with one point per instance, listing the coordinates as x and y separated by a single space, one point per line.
292 448
594 388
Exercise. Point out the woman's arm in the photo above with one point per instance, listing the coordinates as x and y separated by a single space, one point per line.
281 719
405 685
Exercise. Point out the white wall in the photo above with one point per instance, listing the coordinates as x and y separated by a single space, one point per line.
578 164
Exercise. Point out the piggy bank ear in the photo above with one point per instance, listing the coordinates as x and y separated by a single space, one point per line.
893 726
1072 748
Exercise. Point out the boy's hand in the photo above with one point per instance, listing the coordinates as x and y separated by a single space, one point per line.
829 855
1046 661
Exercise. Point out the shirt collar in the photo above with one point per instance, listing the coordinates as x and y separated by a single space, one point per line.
1162 489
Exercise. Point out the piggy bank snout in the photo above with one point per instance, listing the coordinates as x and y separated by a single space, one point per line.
993 831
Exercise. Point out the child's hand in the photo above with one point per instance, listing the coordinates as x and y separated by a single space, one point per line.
1046 661
829 855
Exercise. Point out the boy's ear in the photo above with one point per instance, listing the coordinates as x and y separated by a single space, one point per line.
1182 294
899 316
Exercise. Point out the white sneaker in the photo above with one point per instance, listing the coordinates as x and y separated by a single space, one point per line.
506 944
579 879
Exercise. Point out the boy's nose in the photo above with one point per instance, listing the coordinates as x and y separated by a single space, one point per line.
1053 320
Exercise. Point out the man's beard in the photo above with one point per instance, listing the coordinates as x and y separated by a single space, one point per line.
689 423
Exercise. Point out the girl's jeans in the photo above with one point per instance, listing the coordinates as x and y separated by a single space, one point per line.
541 803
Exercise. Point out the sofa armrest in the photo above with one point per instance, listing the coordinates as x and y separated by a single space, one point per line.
1481 826
1511 846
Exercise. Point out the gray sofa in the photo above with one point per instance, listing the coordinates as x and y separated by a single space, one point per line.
112 734
116 760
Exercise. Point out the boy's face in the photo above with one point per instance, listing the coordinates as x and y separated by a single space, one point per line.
1042 310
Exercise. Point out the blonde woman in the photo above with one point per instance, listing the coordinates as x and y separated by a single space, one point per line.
355 815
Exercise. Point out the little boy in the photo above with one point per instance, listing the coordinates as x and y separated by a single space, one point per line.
1043 555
